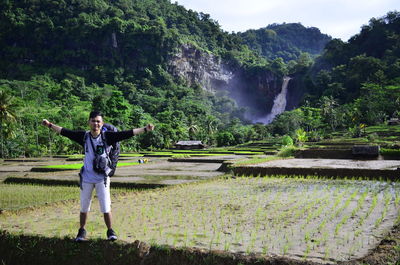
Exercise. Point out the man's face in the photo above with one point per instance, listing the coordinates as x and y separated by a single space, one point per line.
96 123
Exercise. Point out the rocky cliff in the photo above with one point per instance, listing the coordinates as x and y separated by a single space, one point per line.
255 91
201 68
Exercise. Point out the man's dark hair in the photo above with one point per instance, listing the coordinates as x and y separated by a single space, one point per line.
94 114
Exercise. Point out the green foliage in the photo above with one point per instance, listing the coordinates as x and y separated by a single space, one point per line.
16 196
287 41
256 160
351 84
357 82
287 140
287 151
301 137
225 139
287 122
390 152
63 60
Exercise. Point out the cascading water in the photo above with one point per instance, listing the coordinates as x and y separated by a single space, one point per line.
279 103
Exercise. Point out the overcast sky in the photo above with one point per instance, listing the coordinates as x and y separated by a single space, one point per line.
337 18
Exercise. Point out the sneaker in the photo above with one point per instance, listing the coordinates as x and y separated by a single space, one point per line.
81 235
111 235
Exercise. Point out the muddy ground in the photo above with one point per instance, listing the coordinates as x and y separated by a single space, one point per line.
156 171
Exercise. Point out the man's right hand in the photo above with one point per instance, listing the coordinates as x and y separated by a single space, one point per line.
52 126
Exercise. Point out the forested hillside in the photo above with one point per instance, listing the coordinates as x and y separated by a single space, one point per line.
59 60
352 84
286 41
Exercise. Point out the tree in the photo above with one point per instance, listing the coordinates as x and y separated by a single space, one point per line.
7 117
225 139
287 122
328 112
301 137
193 128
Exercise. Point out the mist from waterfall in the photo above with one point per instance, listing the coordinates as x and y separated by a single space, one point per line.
279 103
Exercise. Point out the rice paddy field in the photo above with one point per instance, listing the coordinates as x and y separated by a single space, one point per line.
310 219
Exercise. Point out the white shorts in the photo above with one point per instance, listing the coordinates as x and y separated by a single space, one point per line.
102 192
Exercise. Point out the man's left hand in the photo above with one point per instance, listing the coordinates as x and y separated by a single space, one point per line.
149 127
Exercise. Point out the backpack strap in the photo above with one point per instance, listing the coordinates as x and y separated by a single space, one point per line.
106 147
83 167
84 140
86 136
103 138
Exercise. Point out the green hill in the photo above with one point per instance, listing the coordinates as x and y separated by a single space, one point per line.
141 61
352 84
60 59
287 40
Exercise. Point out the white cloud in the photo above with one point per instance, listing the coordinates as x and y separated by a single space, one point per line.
338 18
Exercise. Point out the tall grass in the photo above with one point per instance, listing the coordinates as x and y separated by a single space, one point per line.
18 196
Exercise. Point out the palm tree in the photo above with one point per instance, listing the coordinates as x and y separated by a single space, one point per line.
7 116
211 124
193 128
328 105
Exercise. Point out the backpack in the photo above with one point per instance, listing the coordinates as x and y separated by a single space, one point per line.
114 152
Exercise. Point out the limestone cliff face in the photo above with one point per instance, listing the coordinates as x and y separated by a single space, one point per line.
200 68
254 91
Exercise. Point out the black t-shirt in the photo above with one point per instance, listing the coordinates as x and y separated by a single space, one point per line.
111 137
88 174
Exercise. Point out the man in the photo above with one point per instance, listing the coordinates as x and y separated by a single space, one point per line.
95 144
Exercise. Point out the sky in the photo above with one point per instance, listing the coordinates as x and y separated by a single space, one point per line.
337 18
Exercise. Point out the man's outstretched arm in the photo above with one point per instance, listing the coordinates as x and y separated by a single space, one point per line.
148 128
52 126
77 136
113 137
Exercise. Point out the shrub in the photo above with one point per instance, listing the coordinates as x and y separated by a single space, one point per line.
390 152
287 151
372 137
287 140
301 137
315 136
225 138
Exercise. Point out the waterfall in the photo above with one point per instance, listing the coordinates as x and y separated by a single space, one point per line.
114 40
279 103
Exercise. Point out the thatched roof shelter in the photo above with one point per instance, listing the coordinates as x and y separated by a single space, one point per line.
189 145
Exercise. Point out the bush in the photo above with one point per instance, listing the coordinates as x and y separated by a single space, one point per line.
390 152
355 132
225 138
287 140
287 151
301 137
314 136
372 137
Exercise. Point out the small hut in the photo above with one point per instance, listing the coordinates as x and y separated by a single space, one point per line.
394 121
189 145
